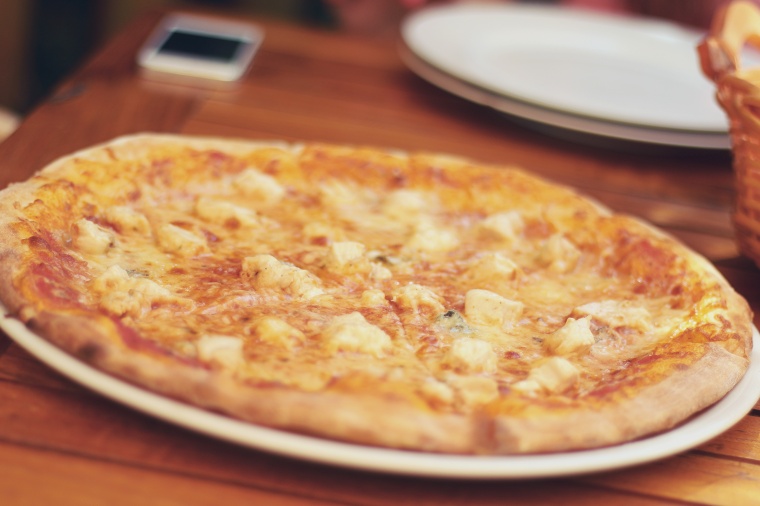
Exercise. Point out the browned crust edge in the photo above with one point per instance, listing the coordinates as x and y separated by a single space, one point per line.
368 420
381 422
656 408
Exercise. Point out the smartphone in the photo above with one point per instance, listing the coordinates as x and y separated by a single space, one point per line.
191 45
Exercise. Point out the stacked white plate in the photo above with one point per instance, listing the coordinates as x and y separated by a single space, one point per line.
609 76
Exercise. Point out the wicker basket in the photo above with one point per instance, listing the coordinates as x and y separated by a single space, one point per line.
738 92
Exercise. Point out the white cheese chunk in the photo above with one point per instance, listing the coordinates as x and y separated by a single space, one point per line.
265 272
379 272
176 240
492 267
431 238
483 307
263 189
219 349
555 375
617 314
574 335
372 298
405 205
471 355
559 254
345 256
127 221
437 392
504 226
277 332
123 295
336 193
416 297
114 278
225 213
351 332
92 238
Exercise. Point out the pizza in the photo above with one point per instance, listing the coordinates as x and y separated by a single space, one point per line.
414 301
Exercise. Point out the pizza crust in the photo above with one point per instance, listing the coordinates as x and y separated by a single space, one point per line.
383 420
380 422
657 408
373 421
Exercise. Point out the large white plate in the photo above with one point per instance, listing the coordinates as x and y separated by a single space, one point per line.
630 70
578 128
696 431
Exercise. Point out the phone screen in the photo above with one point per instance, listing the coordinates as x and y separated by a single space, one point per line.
211 47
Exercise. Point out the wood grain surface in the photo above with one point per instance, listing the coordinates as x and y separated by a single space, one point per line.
63 444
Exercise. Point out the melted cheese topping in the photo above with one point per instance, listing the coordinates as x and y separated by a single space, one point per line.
90 238
306 268
266 273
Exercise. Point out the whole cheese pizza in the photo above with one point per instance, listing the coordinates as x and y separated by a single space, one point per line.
413 301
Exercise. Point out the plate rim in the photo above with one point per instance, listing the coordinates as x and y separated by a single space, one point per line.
559 120
411 23
728 411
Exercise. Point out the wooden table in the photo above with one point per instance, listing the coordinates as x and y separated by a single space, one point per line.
62 444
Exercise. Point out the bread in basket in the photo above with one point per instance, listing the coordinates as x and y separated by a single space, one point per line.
738 92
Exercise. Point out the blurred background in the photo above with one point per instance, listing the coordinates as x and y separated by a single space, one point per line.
41 41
